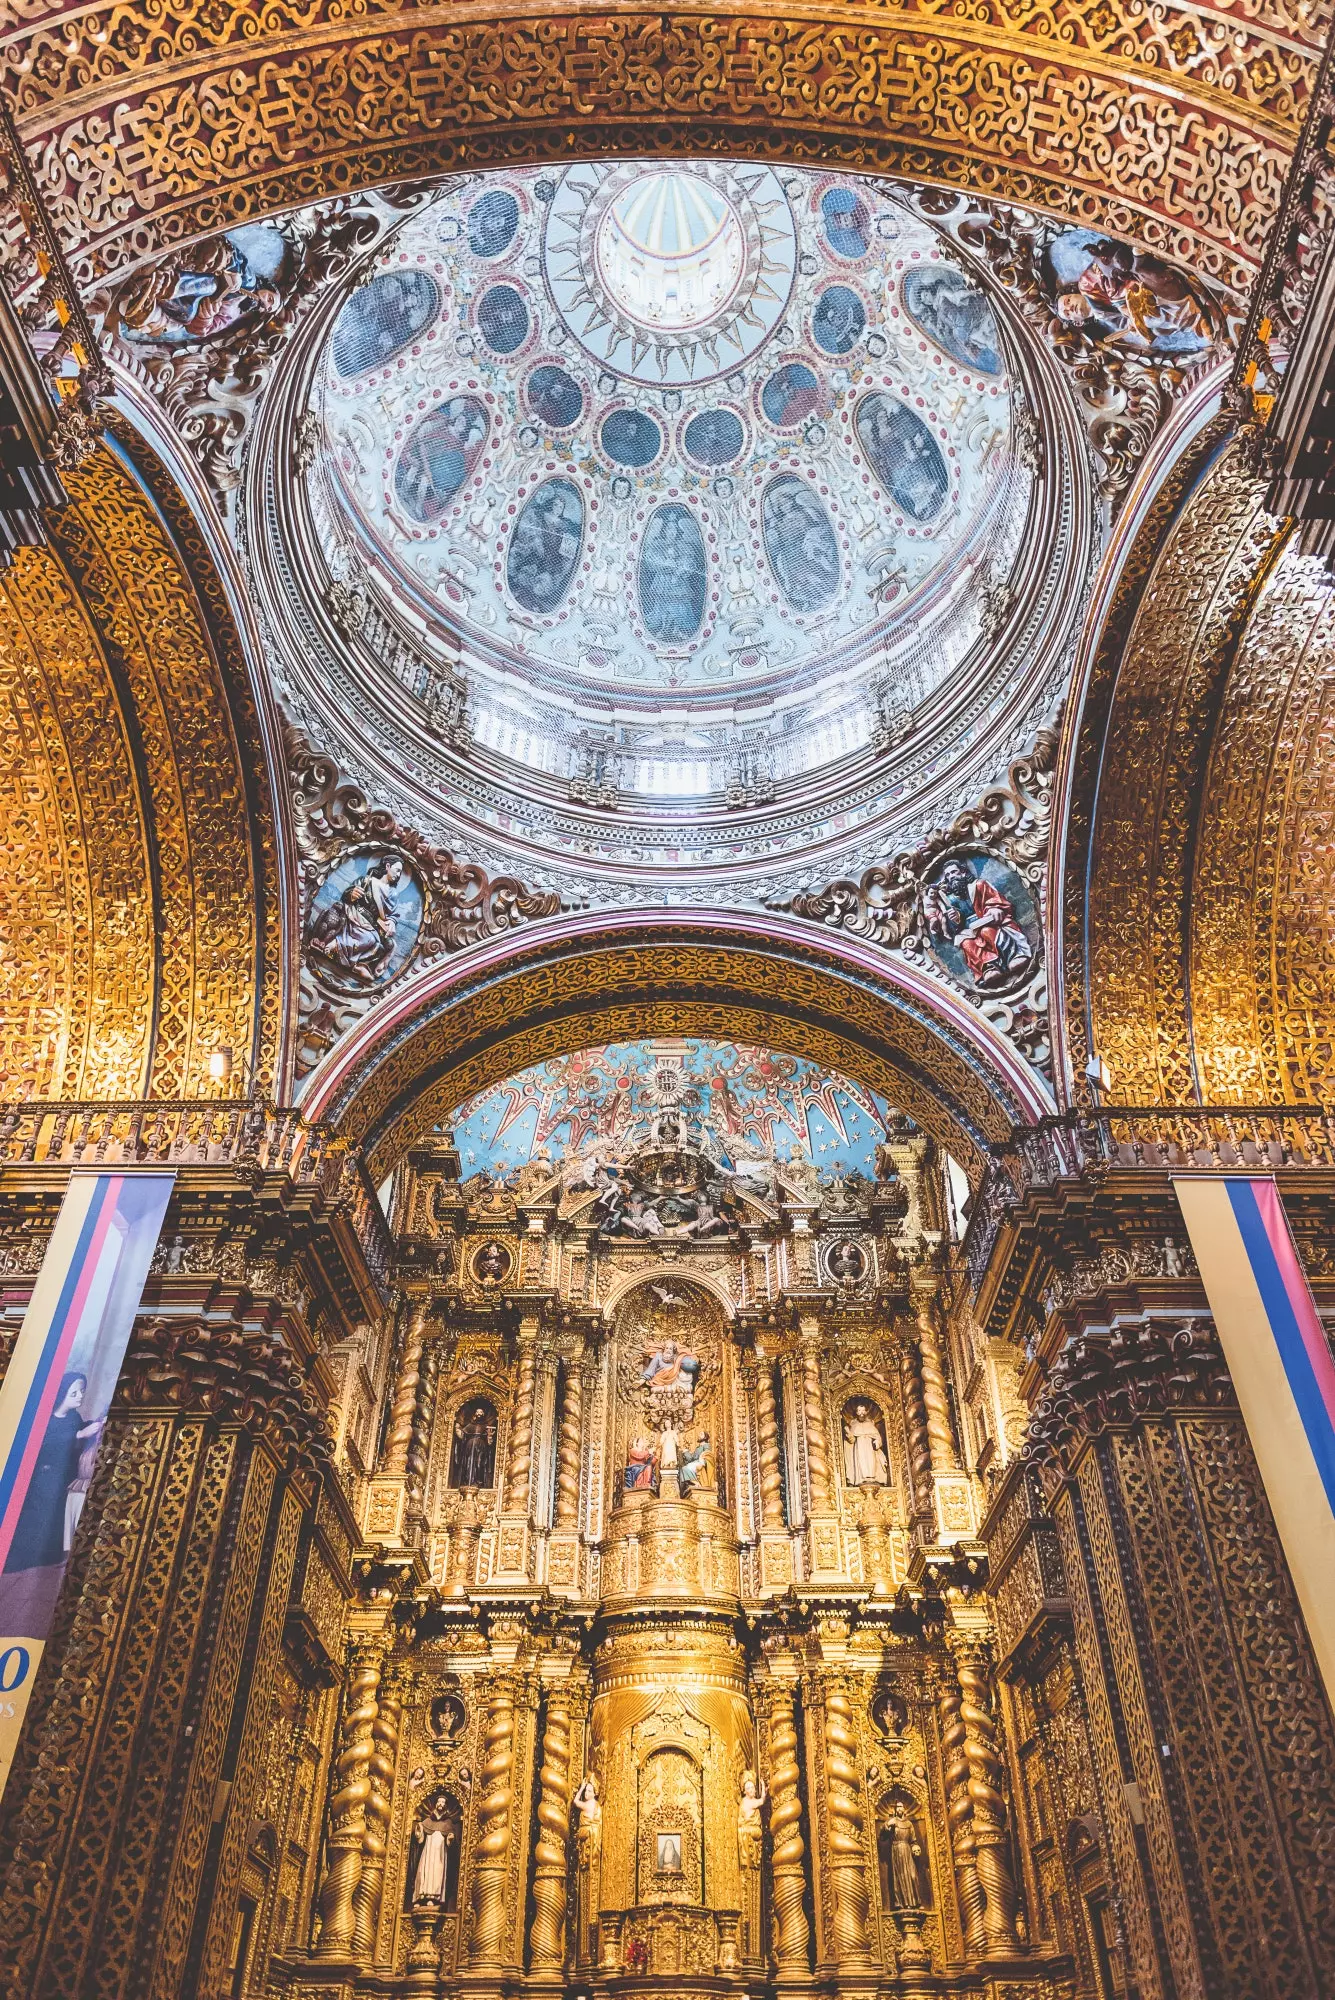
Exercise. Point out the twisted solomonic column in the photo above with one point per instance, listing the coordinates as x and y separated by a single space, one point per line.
986 1774
399 1436
788 1916
813 1409
347 1811
959 1816
767 1438
915 1429
375 1834
551 1850
570 1444
491 1856
424 1409
940 1436
849 1888
521 1431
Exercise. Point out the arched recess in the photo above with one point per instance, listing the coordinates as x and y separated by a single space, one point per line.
1198 877
153 125
139 922
580 981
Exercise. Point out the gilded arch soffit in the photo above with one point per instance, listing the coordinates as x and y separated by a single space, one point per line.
153 945
1171 844
567 991
154 124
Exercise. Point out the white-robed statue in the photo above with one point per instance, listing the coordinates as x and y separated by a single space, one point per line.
434 1835
864 1453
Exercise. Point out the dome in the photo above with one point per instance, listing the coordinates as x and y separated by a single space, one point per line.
705 478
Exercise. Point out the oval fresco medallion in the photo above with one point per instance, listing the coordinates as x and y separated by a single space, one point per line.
800 543
674 575
905 457
439 456
955 313
381 319
544 545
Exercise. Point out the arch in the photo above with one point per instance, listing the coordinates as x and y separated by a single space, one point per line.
141 922
630 1281
171 127
1197 876
578 981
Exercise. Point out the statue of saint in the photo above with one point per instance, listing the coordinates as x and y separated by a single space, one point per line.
589 1831
864 1453
750 1821
697 1466
358 934
668 1442
904 1857
433 1836
641 1464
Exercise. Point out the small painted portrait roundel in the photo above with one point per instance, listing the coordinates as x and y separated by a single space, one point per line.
365 920
492 1263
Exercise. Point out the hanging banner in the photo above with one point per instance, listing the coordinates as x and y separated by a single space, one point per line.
54 1402
1282 1371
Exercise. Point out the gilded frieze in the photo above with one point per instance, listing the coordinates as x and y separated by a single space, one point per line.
1031 105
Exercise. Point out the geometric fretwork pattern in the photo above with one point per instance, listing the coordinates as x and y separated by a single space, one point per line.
130 909
152 123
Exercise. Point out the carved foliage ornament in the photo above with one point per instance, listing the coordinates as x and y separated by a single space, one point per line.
379 898
968 901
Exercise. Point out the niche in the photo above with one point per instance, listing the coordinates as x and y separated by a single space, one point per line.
866 1460
901 1850
473 1452
432 1880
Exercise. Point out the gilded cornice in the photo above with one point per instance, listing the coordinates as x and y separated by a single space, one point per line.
152 125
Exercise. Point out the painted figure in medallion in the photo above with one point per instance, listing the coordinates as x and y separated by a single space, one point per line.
365 919
1128 298
975 912
199 295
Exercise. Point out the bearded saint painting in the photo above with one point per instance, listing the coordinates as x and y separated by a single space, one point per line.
979 916
366 919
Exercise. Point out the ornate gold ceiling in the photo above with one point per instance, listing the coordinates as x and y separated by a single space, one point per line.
1209 963
153 122
140 932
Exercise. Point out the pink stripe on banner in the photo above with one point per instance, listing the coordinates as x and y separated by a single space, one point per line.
1299 1293
51 1387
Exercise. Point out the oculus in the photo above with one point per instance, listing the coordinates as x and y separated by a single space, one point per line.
847 222
714 437
801 545
673 575
381 319
502 319
630 438
439 456
671 249
544 546
554 397
365 921
954 313
839 321
492 222
904 455
791 395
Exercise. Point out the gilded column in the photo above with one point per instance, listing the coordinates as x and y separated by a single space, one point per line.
380 1785
940 1436
521 1432
400 1433
570 1444
551 1849
465 1532
959 1814
495 1810
813 1409
419 1443
792 1933
849 1887
767 1428
915 1428
991 1845
347 1811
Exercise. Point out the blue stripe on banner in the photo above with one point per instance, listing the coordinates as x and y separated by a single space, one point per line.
10 1471
1288 1334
